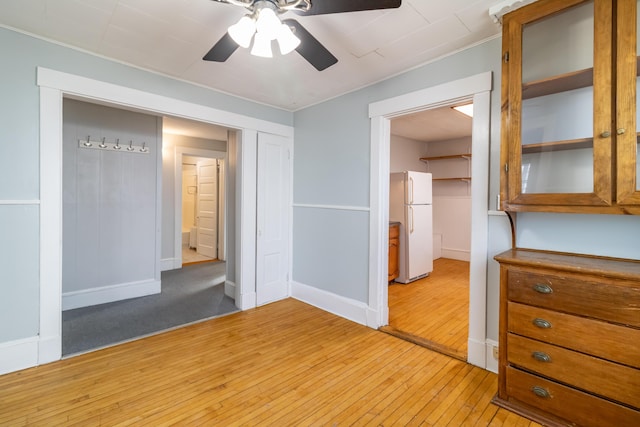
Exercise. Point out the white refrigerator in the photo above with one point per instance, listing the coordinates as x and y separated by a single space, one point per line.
410 205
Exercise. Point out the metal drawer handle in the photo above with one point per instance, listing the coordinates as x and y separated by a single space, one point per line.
541 356
540 392
541 323
542 288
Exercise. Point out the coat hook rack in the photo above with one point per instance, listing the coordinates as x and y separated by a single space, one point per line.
113 146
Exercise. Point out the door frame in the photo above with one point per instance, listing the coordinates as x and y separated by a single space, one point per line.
56 85
196 152
476 88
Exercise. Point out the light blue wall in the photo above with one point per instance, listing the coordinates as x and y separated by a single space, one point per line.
19 156
332 167
332 161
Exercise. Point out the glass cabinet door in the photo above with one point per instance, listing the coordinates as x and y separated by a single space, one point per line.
560 104
628 101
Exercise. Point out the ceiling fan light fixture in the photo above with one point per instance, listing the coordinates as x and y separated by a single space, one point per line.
261 46
268 23
287 41
242 31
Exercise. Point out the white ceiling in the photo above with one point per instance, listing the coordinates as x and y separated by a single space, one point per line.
439 124
171 37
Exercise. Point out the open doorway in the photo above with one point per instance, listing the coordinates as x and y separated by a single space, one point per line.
476 88
432 308
114 162
201 209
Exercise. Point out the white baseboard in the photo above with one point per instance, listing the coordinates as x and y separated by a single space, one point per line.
344 307
170 263
492 362
95 296
19 354
476 354
230 289
461 255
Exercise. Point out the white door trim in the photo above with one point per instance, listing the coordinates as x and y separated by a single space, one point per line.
476 88
196 152
54 85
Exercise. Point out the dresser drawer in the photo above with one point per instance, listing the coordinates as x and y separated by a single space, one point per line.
620 383
608 341
614 303
581 408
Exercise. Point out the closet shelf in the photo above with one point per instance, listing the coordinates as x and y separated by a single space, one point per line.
460 178
454 156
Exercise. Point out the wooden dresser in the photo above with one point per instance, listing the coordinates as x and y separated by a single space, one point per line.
569 338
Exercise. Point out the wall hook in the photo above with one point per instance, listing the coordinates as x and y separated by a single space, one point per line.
102 144
144 149
117 146
130 147
88 143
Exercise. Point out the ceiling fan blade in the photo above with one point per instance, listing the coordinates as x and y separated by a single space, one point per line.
222 50
323 7
310 48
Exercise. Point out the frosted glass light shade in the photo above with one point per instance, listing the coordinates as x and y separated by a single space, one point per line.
286 39
261 46
242 31
268 23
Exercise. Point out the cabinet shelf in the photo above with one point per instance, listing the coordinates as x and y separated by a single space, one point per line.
570 144
453 156
562 83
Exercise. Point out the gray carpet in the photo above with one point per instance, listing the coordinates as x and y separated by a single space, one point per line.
189 294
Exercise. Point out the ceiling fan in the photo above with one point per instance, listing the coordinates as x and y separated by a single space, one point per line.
262 25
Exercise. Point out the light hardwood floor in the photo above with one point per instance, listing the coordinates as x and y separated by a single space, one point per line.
282 364
434 311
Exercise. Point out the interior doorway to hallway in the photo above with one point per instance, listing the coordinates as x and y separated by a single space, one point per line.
202 207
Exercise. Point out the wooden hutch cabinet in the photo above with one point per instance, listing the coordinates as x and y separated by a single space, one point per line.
569 351
569 108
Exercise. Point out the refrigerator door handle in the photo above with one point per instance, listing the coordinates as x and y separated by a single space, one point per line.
410 190
411 228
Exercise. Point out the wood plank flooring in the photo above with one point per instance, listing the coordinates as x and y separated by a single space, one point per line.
434 311
282 364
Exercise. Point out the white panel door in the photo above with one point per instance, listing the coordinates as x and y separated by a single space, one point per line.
207 217
273 223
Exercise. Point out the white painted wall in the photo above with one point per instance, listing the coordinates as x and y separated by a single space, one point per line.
451 199
405 154
110 202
